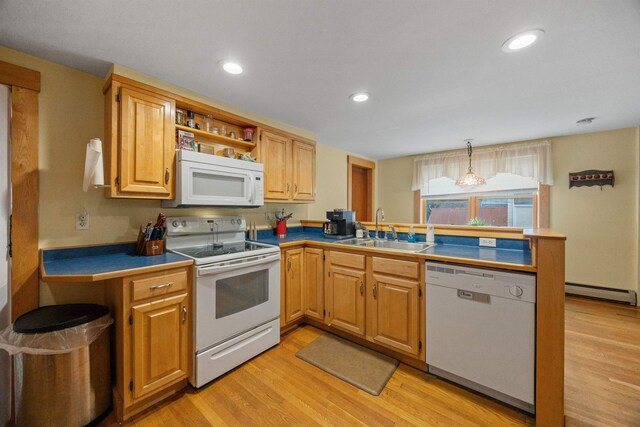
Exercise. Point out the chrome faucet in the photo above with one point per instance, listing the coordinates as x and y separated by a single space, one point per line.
379 213
394 234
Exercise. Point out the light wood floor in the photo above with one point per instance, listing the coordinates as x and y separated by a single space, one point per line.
276 388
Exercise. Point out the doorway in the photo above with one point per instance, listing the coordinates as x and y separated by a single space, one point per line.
361 187
5 267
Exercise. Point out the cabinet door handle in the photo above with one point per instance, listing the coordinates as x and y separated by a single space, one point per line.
295 188
289 264
166 176
287 187
374 291
361 288
184 313
166 285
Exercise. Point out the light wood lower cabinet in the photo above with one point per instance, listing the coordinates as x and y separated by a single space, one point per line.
377 298
314 283
293 291
395 304
153 346
159 336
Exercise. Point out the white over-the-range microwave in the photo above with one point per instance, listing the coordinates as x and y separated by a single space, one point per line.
207 180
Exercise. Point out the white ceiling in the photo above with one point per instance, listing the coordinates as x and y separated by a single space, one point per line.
435 69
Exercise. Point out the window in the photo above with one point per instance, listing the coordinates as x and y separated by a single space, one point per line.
443 211
506 200
518 211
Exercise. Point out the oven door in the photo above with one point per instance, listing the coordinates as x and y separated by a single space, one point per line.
234 296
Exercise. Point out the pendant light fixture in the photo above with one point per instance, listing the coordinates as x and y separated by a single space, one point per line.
470 179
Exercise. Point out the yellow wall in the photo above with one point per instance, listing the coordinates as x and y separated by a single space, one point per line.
331 182
71 112
601 225
394 189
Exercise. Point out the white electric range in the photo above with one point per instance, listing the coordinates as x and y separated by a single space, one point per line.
236 292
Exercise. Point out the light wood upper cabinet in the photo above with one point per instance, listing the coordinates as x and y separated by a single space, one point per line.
293 290
139 144
160 344
289 168
304 171
276 154
314 283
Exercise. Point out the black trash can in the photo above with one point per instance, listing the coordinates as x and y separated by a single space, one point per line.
62 368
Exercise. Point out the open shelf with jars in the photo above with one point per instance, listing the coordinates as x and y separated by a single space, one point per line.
213 132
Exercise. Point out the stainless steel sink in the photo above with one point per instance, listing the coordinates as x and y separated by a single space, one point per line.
388 244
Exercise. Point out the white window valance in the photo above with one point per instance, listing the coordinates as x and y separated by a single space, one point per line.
530 160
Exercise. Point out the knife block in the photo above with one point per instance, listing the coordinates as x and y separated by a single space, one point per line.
148 247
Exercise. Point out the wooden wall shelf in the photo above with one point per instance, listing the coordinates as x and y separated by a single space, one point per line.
219 139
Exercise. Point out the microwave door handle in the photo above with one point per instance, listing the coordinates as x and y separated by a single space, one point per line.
252 188
205 271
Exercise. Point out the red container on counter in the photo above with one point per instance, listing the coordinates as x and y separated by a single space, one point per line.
281 228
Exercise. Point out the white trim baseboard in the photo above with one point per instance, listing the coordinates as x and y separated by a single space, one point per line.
609 294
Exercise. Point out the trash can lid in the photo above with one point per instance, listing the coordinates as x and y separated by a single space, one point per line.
57 317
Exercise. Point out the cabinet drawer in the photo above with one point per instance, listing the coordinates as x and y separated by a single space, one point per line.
346 259
148 287
396 267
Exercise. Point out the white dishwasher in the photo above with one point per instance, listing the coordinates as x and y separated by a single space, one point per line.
481 330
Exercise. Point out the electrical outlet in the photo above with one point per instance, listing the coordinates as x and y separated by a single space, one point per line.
268 216
487 242
82 221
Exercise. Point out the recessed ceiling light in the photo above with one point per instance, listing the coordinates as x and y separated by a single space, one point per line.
585 121
230 67
522 40
359 97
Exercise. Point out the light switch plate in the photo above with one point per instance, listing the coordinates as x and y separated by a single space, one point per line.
484 241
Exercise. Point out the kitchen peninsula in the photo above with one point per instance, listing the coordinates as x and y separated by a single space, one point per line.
307 292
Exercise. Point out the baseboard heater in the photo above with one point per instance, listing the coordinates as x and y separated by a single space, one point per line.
609 294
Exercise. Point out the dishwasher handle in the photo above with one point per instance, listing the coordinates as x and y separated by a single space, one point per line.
474 296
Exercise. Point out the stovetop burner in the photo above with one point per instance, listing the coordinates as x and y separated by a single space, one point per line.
218 249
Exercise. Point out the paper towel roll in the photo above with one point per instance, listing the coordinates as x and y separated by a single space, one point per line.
93 165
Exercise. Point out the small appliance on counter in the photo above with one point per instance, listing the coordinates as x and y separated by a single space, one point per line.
341 224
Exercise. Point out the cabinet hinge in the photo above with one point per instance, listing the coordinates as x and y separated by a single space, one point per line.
117 97
10 244
130 319
419 292
324 257
419 345
329 274
324 312
131 385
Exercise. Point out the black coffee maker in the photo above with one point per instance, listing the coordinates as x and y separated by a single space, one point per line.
341 224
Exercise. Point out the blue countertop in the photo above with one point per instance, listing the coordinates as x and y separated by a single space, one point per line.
99 262
507 251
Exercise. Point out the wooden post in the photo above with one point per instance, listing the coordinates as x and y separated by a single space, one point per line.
549 247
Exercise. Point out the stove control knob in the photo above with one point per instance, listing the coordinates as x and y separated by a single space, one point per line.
184 223
233 222
174 224
516 291
239 221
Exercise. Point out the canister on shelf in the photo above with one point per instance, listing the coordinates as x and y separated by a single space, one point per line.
191 122
248 134
180 117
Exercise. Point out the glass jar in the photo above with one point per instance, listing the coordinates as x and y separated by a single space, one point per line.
208 123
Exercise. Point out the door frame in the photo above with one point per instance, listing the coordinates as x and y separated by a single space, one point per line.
24 84
371 181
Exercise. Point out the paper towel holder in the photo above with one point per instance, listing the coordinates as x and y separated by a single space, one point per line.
93 166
